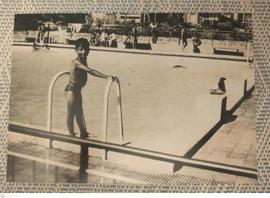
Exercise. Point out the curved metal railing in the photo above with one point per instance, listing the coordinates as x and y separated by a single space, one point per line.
50 98
106 106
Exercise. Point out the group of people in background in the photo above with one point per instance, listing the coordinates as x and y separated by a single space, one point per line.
105 38
182 38
42 37
131 41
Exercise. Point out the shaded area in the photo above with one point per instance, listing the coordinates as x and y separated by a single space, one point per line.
226 117
143 46
24 170
28 22
228 52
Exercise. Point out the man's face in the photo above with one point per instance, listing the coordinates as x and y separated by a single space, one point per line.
82 52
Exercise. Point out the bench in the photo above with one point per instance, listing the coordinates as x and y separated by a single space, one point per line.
228 51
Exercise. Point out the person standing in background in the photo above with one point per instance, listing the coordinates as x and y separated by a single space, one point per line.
184 38
135 35
154 31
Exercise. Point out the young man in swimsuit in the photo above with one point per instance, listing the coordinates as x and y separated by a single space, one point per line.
78 79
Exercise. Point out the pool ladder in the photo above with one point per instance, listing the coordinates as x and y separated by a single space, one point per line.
105 111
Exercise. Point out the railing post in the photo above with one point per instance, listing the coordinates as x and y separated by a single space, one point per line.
105 112
120 111
106 107
223 109
84 157
50 98
245 89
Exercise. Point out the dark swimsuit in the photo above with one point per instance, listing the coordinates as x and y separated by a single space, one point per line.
70 87
77 80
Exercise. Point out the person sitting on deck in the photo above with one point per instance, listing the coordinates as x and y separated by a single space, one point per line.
196 43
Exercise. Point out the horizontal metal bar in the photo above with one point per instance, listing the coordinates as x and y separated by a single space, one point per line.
237 170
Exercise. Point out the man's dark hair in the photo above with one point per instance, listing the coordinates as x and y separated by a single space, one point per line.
82 42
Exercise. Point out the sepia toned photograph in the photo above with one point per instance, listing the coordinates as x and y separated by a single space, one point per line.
147 98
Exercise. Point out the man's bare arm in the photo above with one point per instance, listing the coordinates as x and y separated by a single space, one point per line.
98 74
91 71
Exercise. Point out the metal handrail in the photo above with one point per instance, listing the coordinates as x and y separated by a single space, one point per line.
50 98
106 106
144 153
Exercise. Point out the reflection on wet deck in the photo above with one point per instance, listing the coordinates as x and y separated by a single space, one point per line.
23 170
36 164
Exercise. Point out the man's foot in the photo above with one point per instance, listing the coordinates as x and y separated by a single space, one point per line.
85 135
88 135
